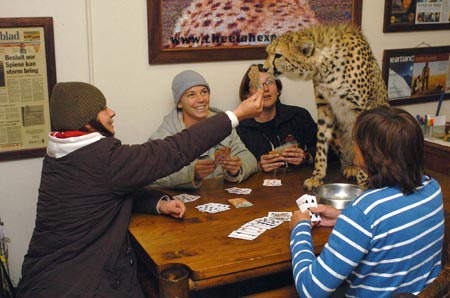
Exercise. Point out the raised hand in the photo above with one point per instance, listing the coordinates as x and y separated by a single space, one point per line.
251 107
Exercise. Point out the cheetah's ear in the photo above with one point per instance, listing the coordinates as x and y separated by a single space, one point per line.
307 48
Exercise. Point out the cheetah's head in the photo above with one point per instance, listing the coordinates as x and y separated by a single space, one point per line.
292 52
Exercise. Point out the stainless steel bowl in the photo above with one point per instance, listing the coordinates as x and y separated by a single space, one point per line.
338 195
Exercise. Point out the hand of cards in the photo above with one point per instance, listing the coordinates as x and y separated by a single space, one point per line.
307 201
280 149
221 154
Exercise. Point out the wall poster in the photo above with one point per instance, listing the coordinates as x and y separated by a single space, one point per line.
416 15
221 30
416 75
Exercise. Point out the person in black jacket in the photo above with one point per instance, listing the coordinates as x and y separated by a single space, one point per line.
91 183
281 135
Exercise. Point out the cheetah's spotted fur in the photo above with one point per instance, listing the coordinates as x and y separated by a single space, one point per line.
346 78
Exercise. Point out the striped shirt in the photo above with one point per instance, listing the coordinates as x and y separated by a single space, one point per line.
382 243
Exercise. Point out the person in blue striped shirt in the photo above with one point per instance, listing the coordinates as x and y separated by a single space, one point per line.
389 239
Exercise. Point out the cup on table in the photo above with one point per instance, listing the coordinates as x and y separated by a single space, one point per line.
174 281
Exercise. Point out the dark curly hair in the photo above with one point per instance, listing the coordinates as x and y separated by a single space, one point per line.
245 83
391 142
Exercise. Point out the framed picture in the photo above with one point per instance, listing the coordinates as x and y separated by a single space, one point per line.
417 75
218 30
416 15
27 74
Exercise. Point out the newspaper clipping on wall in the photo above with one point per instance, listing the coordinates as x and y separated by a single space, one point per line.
420 12
24 104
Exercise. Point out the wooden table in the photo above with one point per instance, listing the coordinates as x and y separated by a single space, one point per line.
200 241
437 156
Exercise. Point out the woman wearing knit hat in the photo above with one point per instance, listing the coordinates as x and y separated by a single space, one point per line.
191 94
90 183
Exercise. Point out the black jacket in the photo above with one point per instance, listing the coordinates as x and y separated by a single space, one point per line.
80 246
290 122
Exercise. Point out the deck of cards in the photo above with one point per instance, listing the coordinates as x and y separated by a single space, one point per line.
252 229
240 202
213 207
307 201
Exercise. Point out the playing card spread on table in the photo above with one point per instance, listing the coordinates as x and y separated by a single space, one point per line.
284 216
264 222
240 202
247 233
239 191
240 235
272 182
305 202
252 229
186 198
213 207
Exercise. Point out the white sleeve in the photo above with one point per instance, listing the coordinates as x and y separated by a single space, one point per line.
233 118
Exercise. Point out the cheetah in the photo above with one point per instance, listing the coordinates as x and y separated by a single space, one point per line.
207 23
346 79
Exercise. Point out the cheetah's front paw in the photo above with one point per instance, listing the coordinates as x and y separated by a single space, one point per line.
350 172
311 183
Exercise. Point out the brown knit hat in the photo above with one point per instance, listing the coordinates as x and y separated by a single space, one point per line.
74 104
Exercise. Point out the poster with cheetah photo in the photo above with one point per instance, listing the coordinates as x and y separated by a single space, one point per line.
225 23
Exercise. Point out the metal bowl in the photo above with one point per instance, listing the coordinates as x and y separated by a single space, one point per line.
338 195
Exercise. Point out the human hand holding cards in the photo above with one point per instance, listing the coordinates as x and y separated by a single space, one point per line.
305 202
221 154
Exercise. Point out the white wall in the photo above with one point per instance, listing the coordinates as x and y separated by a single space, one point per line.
138 92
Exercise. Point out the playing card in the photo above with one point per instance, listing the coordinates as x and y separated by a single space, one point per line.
240 191
213 207
255 79
264 222
240 235
186 198
307 201
284 216
272 182
251 230
314 217
240 202
247 232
